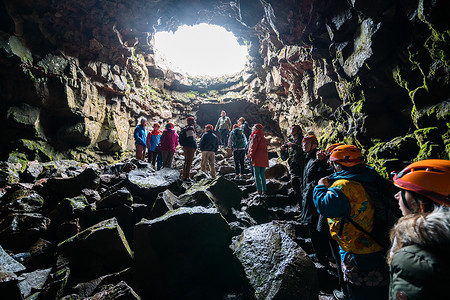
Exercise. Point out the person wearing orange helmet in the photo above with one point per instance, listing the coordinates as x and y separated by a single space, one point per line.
342 198
418 258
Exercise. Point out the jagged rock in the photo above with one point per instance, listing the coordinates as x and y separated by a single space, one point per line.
8 284
87 289
22 200
73 186
9 263
195 256
223 193
276 170
275 266
276 187
18 231
123 214
55 286
8 173
34 281
41 254
87 255
68 229
148 183
115 292
118 198
226 170
68 209
92 196
164 202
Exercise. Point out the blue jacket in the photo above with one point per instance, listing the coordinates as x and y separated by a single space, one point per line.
140 135
332 203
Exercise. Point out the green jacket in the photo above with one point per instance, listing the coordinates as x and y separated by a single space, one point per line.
421 270
223 123
295 157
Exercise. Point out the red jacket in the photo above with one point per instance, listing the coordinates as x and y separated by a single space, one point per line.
258 150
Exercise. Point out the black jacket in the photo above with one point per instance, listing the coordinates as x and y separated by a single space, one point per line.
313 171
209 142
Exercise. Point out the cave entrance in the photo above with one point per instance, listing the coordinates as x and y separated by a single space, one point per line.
209 113
200 50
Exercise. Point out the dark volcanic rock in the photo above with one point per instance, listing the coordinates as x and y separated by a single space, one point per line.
98 250
183 250
275 266
147 183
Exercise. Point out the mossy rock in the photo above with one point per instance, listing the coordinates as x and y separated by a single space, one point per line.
432 116
18 158
8 174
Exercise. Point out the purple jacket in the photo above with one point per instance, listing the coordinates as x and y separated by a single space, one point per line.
169 140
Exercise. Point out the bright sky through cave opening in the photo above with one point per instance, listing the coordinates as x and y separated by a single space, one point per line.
200 50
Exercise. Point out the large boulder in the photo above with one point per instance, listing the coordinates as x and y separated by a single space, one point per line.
98 250
222 193
183 251
22 200
18 231
147 183
275 266
72 186
9 263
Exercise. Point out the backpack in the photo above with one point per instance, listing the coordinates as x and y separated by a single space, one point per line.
182 137
238 139
247 130
386 209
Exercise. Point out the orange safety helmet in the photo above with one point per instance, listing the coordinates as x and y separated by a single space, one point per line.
331 147
346 155
429 178
310 138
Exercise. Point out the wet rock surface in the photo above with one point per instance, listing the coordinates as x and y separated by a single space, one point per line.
205 239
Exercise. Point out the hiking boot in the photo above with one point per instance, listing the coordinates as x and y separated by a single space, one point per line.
339 295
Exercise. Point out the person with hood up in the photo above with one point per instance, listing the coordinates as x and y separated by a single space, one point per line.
260 157
167 144
140 138
419 256
342 198
153 139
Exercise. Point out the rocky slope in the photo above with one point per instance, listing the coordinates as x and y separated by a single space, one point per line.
76 76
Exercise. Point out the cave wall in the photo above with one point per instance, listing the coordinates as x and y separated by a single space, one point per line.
76 77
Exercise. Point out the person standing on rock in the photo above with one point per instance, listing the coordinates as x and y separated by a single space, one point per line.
243 125
342 198
223 125
189 144
260 157
140 138
153 139
293 153
209 144
168 144
315 168
237 142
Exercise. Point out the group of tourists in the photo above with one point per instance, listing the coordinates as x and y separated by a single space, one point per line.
341 205
339 202
244 142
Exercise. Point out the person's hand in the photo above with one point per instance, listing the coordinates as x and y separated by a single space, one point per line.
320 155
324 180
